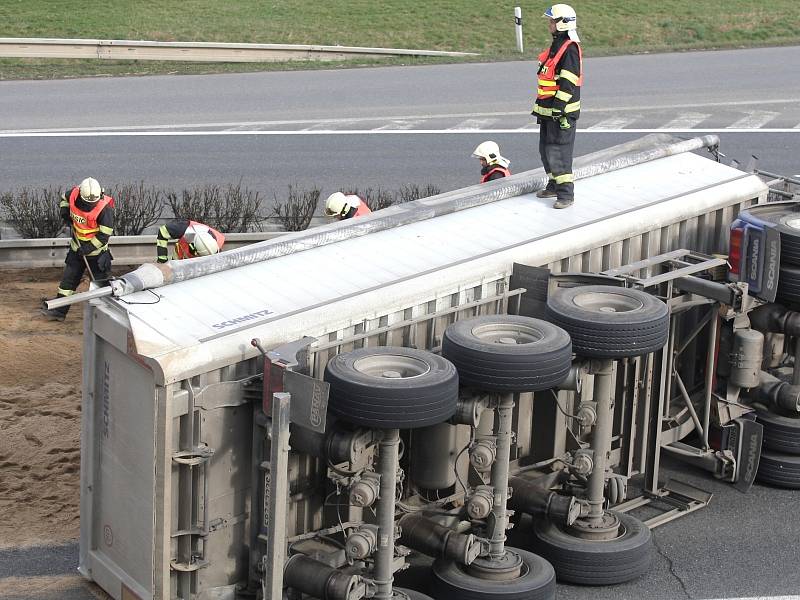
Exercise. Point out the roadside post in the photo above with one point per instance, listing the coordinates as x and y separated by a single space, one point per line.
518 27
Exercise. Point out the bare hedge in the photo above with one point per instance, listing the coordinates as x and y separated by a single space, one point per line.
34 213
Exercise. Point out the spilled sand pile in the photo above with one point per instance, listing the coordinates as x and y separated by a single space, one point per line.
40 399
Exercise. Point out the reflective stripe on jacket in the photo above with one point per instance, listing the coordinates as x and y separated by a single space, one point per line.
493 170
548 82
184 249
84 224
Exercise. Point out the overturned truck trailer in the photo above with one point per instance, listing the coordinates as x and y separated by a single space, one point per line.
398 389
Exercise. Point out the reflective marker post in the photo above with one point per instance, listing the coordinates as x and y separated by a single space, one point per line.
518 27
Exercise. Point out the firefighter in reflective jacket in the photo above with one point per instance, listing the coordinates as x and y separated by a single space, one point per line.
493 166
90 216
192 239
345 206
558 103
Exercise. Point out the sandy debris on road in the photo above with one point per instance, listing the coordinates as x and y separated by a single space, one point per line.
40 409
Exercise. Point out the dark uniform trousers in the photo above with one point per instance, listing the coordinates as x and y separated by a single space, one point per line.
75 268
556 146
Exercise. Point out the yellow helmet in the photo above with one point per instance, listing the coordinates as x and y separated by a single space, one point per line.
564 16
90 190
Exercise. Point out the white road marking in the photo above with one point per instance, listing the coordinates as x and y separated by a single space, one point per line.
686 121
763 598
473 124
244 124
79 134
400 124
754 119
613 123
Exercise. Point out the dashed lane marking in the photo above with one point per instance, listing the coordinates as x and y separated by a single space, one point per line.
754 119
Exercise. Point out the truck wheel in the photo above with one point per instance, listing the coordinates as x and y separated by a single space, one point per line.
508 353
789 228
781 434
537 581
403 594
595 562
392 388
780 470
789 285
610 322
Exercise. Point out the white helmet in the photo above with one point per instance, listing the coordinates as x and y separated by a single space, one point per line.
564 16
202 241
90 190
341 204
491 152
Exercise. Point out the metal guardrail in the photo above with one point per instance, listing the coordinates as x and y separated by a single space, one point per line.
196 51
126 249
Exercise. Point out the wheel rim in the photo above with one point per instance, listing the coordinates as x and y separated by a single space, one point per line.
507 568
507 333
391 366
607 302
792 223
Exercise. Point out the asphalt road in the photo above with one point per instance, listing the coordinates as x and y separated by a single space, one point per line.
270 163
386 127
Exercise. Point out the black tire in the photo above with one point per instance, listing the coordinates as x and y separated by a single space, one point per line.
789 285
424 394
610 322
780 470
781 434
410 594
589 562
789 228
785 217
539 360
537 581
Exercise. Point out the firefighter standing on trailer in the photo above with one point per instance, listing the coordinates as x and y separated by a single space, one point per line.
493 166
90 215
192 239
558 103
342 206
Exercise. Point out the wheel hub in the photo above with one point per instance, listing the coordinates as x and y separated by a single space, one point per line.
504 568
603 529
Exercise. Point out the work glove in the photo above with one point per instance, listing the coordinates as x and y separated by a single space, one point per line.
104 262
85 249
162 259
563 122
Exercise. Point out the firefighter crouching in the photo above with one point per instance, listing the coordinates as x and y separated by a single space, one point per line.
558 103
192 239
493 166
90 215
345 206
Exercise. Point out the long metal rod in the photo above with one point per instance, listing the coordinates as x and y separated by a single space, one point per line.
497 536
710 359
388 452
624 155
79 297
278 497
689 406
601 439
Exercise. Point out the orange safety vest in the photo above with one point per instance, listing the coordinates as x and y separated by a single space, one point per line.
184 250
495 169
84 224
362 210
548 84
